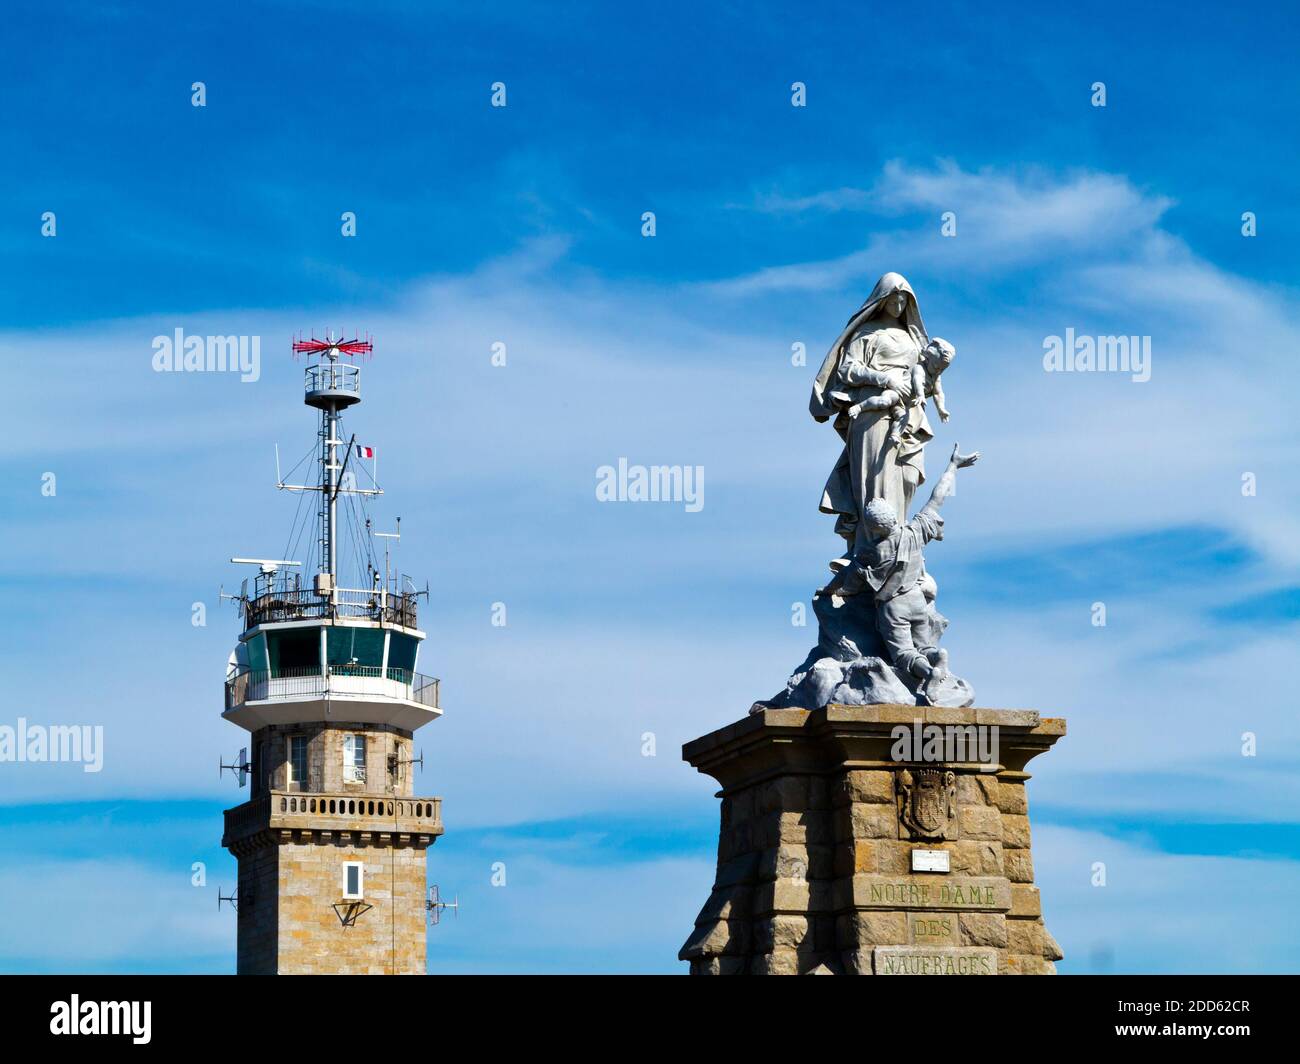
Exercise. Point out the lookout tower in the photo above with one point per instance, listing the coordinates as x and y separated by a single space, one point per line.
331 843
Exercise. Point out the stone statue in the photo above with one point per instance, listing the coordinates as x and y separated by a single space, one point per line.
868 384
879 629
892 568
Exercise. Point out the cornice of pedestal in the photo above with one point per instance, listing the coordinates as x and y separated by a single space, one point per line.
775 742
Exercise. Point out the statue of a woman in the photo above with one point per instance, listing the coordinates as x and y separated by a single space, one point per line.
877 352
875 383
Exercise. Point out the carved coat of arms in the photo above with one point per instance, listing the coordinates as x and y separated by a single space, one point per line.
927 803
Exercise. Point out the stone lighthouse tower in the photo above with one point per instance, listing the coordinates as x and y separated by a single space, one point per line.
331 843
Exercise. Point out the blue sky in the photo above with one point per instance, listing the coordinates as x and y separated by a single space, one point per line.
522 225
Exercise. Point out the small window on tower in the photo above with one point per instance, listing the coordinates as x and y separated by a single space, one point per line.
354 759
353 880
298 761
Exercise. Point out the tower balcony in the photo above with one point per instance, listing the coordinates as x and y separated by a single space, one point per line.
285 604
382 817
257 698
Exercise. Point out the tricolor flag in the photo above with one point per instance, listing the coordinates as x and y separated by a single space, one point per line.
365 452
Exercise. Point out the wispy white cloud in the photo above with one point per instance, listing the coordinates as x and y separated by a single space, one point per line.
1002 220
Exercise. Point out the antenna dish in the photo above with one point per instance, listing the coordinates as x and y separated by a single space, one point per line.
240 768
434 905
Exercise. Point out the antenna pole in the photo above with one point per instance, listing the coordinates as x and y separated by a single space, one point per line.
329 478
331 388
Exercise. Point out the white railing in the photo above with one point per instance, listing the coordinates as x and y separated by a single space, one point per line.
256 685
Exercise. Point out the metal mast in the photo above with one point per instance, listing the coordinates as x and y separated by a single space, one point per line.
331 386
329 472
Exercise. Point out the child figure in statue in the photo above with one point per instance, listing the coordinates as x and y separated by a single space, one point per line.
936 357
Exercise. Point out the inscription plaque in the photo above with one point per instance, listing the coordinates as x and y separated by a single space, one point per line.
956 893
936 960
932 929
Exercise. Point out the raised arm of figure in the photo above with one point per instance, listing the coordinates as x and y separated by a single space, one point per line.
949 479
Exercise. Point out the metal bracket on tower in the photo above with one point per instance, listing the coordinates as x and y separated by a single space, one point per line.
395 762
348 911
232 898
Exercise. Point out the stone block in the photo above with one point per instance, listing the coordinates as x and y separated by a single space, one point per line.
977 788
874 821
1019 866
979 822
785 794
952 892
725 903
789 860
1025 936
714 938
1020 964
879 928
779 962
1051 948
791 896
1015 832
892 858
983 929
1011 797
791 932
742 805
856 962
934 929
866 855
935 960
1008 718
743 869
873 786
948 715
1024 900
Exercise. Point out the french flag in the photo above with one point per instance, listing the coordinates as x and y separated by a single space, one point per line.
365 452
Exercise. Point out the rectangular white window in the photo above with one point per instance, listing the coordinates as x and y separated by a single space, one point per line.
298 761
354 876
354 759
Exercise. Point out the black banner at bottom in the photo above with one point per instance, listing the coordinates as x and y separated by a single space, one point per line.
555 1013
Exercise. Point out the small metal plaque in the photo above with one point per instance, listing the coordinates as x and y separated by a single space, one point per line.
931 861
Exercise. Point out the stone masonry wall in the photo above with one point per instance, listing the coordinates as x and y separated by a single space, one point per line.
325 758
258 914
320 933
815 875
292 917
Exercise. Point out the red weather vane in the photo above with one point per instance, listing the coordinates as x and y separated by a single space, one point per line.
312 346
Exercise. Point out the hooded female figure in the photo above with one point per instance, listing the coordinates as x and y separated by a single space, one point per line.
876 352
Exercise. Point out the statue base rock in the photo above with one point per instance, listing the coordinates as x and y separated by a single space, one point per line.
849 665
